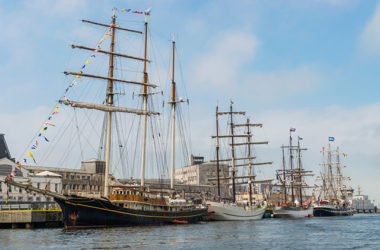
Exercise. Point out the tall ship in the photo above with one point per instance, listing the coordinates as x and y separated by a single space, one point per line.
242 172
292 182
333 191
134 204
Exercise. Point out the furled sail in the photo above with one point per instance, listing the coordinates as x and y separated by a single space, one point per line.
106 108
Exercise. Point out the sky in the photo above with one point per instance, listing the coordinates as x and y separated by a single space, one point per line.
312 65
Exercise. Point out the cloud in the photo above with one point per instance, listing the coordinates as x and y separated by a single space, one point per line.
219 67
370 37
272 85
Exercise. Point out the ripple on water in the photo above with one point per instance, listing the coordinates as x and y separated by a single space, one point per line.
359 231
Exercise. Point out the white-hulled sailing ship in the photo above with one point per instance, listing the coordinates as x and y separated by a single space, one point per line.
225 208
292 183
124 205
332 198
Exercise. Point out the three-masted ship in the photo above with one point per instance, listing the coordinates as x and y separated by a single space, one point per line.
125 205
332 195
229 208
292 183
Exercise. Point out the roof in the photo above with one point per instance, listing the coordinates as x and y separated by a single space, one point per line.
48 173
4 151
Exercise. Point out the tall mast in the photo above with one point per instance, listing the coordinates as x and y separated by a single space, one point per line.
109 103
291 165
339 175
145 100
173 103
232 155
299 170
330 176
249 163
217 151
284 175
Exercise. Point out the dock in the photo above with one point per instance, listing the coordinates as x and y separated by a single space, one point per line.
30 215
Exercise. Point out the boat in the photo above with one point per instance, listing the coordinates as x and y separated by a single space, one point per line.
291 180
332 198
125 205
229 208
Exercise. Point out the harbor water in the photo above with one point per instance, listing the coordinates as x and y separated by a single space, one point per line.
358 231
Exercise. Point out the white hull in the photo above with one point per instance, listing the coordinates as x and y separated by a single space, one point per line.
222 212
290 212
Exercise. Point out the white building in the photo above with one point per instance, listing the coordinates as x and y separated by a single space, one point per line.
46 180
199 173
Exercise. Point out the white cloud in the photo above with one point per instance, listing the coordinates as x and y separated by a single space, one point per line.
282 83
370 37
219 67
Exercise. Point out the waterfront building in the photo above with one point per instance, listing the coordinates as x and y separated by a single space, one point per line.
85 181
199 172
44 180
363 204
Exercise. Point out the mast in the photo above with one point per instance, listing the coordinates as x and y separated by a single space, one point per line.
329 174
145 100
249 164
232 156
217 151
299 169
109 103
173 103
284 176
291 165
339 175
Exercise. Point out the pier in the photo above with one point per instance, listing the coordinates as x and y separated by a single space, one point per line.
32 215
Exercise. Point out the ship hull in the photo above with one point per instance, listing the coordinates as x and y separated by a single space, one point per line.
323 211
228 212
82 212
292 212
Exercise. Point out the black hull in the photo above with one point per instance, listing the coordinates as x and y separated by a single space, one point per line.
331 211
82 212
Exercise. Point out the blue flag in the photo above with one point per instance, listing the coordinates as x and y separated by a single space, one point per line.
300 138
331 138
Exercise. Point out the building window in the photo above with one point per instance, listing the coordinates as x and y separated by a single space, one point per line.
38 185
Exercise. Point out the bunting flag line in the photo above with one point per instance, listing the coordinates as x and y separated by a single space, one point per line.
147 12
49 124
31 155
74 82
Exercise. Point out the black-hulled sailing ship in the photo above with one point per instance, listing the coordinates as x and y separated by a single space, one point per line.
292 183
332 198
125 205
